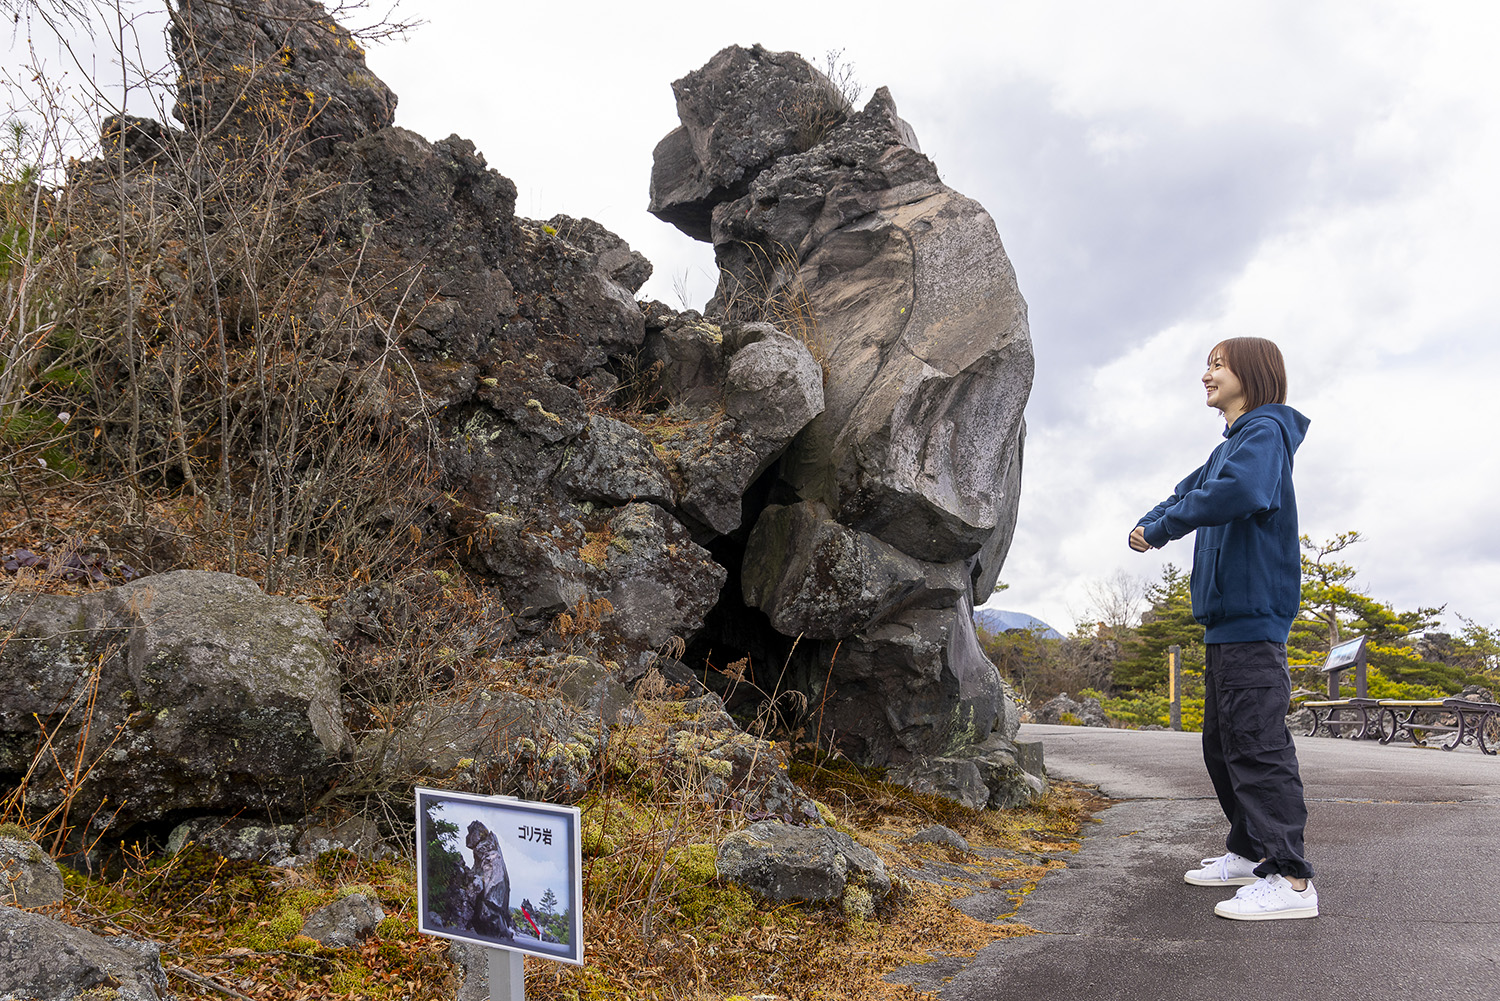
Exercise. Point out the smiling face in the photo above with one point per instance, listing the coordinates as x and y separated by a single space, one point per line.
1225 393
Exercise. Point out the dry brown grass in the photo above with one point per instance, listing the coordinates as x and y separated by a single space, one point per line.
823 103
767 287
709 942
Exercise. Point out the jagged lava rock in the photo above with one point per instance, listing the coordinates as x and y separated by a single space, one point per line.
350 833
492 742
662 583
733 398
704 746
234 838
404 201
625 267
774 386
613 463
736 114
995 774
207 695
280 64
1063 708
917 684
815 577
584 682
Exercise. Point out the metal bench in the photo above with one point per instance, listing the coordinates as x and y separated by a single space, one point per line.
1474 723
1328 715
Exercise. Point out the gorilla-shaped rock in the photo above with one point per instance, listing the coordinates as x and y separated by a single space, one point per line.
929 352
892 510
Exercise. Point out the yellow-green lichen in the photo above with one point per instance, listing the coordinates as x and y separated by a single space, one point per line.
573 754
543 411
714 766
858 904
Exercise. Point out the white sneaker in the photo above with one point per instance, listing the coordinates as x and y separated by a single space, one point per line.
1270 899
1228 869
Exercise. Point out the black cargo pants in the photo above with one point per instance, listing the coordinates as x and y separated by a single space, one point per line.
1251 757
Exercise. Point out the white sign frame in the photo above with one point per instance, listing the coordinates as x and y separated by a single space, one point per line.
509 820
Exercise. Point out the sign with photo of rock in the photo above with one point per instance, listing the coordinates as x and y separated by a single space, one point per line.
501 873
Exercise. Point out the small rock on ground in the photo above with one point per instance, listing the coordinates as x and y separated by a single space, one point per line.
939 835
784 863
344 922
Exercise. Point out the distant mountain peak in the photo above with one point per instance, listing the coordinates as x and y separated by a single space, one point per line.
998 620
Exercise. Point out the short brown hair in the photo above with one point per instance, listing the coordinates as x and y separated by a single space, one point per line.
1258 364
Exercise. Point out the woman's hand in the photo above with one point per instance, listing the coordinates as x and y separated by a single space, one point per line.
1138 540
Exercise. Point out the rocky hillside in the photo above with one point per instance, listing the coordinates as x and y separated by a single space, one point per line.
788 504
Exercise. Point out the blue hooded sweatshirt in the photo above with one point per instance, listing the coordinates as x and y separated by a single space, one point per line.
1247 563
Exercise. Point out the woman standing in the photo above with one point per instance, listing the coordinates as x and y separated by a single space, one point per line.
1247 588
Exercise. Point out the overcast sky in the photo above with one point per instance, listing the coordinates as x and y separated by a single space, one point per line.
1163 175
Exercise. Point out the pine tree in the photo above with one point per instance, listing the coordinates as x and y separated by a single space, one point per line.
1169 622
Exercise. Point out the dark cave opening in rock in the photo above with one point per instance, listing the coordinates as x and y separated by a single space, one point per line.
734 632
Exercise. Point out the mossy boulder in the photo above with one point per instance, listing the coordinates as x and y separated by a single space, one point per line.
185 691
820 865
347 921
492 742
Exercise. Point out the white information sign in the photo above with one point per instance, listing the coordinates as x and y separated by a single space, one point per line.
500 872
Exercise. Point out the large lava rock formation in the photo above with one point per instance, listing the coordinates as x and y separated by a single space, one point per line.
891 513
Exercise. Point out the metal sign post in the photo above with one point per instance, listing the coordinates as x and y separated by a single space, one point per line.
1348 654
507 975
1174 683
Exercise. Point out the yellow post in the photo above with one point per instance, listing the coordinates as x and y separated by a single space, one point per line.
1174 683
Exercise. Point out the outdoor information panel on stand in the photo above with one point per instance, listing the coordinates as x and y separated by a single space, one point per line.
1348 654
502 873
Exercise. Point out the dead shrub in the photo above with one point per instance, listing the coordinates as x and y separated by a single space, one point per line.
165 298
822 103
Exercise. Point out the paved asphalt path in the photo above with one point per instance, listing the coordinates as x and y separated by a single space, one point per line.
1404 841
